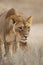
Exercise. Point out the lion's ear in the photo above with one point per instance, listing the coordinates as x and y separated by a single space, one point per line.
29 19
10 12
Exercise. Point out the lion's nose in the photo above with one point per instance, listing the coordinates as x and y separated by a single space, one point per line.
25 36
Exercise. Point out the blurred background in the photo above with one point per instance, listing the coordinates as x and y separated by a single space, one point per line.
28 7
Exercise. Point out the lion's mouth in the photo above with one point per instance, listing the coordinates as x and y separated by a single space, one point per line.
23 39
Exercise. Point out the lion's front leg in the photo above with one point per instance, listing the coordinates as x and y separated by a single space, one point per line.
10 48
2 49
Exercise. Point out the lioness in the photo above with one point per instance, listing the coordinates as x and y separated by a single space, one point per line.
14 30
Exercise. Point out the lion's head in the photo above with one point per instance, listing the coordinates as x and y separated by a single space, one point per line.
18 25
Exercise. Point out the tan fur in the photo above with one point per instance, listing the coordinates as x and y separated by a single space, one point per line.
13 34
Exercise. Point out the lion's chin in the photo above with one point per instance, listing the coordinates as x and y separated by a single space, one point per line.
23 40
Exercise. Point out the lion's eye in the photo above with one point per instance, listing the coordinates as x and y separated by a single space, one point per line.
28 28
